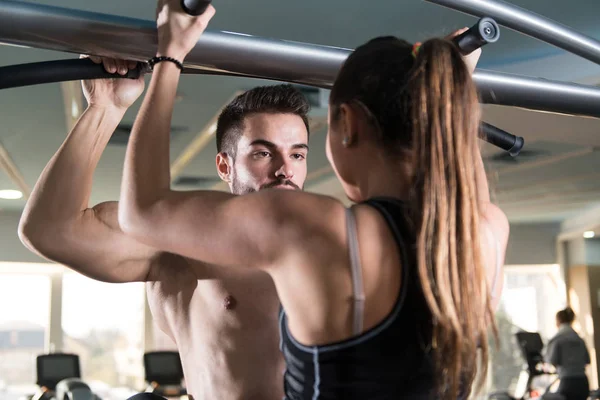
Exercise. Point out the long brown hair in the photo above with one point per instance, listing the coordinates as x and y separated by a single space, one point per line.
427 107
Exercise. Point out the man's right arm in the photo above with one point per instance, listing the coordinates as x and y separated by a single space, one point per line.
57 222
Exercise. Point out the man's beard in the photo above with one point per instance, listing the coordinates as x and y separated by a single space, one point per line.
240 188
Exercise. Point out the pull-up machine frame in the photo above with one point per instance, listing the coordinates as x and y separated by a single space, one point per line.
235 54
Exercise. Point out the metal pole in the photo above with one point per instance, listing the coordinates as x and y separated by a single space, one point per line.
537 93
229 53
529 23
81 32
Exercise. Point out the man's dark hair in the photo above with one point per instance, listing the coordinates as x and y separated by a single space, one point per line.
278 99
566 316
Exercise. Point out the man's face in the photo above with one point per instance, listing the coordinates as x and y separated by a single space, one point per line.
271 153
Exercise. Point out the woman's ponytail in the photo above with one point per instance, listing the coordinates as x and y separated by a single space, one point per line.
450 265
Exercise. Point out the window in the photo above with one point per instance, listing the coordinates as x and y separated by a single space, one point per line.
25 302
103 324
531 297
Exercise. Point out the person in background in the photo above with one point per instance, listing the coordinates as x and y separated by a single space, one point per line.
569 354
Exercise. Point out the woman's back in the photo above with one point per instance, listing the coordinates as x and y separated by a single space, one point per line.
568 352
403 129
388 360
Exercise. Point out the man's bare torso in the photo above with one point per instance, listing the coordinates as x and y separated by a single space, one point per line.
225 328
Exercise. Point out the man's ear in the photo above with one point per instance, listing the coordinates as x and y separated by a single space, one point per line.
224 166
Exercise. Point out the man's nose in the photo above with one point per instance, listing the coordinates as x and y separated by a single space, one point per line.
285 170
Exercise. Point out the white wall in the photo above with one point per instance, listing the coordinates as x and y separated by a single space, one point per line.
582 251
592 251
583 222
532 244
576 251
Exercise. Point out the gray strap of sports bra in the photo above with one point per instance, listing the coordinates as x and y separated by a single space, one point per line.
357 280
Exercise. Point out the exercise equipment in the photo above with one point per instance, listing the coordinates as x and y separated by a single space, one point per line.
502 139
195 7
529 23
234 54
74 389
59 378
53 368
60 71
229 53
531 346
485 31
164 373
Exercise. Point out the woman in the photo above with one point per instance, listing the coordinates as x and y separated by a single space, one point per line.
568 353
387 299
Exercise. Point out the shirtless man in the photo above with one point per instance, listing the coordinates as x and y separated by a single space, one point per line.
226 325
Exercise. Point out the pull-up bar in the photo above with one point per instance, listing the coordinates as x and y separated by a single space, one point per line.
228 53
530 24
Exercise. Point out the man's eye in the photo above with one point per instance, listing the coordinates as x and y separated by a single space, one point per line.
299 156
262 154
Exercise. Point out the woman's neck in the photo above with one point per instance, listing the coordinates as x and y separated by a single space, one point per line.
384 179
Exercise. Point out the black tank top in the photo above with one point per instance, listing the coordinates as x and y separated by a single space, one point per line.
390 361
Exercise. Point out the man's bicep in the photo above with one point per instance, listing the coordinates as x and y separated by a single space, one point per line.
96 247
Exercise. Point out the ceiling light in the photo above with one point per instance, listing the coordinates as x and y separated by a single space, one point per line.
10 194
589 234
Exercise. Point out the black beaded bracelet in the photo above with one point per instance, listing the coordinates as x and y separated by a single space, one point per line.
155 60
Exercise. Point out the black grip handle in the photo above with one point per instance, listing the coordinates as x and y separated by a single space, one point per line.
485 31
195 7
60 71
502 139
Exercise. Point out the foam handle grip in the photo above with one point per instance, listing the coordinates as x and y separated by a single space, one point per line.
60 71
485 31
502 139
195 7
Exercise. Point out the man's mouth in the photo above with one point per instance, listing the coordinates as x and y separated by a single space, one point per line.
281 185
284 187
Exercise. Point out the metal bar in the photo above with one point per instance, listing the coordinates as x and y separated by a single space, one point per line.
227 53
81 32
537 93
530 24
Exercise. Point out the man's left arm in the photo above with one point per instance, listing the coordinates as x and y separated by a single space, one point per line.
153 213
214 227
